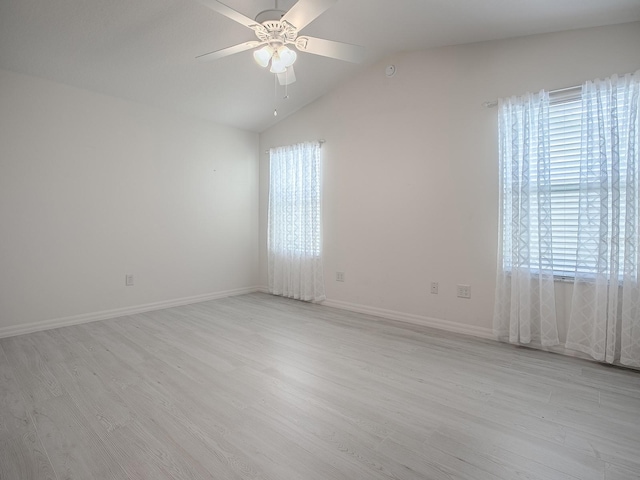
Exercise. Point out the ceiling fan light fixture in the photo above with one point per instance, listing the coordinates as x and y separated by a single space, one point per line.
263 55
287 56
275 29
277 65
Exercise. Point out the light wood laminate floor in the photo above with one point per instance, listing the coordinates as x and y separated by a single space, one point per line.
260 387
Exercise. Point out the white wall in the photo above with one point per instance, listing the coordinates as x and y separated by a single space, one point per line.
410 168
92 187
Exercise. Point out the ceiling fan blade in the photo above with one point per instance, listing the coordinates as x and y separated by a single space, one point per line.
227 51
306 11
329 48
288 77
228 12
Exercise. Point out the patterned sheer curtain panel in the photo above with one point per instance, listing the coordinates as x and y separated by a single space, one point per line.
525 299
605 309
294 231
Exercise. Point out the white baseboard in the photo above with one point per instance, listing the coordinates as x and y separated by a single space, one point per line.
414 319
14 330
406 317
457 328
447 325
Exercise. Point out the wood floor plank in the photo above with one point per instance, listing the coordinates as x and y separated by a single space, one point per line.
211 448
75 449
93 395
265 388
485 456
126 433
617 472
31 370
22 455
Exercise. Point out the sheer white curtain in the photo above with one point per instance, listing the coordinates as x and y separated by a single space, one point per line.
294 231
525 299
605 310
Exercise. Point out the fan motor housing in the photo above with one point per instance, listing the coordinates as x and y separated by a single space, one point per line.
275 32
271 14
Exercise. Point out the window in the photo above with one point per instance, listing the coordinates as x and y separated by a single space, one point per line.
294 199
294 235
564 152
565 140
570 204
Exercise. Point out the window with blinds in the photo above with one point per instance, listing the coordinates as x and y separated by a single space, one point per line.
564 142
294 199
565 130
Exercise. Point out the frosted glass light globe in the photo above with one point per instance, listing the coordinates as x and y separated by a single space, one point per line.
277 65
287 56
263 55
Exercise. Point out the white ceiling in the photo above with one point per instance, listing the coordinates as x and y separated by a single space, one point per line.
144 50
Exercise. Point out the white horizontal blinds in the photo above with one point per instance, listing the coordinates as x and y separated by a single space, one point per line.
606 136
566 137
312 244
295 199
564 149
563 179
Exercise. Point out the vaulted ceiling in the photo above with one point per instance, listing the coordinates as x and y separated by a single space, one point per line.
144 50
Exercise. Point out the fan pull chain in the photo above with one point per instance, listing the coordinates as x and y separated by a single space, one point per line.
275 95
286 84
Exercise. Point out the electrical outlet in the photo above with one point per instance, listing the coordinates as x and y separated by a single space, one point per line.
464 291
128 279
339 276
434 288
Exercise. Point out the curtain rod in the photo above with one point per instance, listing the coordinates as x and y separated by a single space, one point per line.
321 141
494 103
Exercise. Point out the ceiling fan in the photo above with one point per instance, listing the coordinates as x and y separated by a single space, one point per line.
275 29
